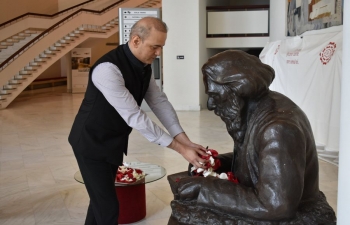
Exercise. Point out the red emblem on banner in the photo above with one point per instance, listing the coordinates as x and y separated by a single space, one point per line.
278 47
327 53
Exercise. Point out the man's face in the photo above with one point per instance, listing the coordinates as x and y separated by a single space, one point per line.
147 50
225 104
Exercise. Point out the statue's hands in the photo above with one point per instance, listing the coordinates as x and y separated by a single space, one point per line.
189 188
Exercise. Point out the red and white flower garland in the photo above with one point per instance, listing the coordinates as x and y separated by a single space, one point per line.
129 175
212 165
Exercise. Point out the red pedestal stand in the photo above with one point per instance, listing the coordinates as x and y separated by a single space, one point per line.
132 203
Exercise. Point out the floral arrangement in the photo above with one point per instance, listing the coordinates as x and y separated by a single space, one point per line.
129 175
212 165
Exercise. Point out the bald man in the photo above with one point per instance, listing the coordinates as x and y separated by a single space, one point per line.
118 82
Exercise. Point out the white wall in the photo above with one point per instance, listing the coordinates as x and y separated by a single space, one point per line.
181 77
64 4
344 143
250 2
278 15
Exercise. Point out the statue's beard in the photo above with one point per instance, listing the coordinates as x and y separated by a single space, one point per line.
230 113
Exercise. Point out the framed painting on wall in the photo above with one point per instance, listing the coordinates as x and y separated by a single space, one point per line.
305 15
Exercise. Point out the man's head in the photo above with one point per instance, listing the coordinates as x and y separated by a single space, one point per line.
147 38
230 78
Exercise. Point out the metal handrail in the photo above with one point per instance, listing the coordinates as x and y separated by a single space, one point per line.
53 27
21 17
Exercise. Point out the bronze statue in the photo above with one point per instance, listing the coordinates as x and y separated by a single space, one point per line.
274 157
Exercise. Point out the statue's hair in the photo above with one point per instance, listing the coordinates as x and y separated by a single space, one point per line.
143 27
245 74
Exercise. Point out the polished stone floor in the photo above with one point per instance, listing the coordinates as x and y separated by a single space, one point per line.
37 164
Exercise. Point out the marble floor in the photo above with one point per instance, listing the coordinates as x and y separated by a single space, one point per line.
37 164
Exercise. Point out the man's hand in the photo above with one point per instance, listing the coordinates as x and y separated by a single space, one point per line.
190 151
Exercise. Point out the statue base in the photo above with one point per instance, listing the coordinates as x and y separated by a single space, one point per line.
188 213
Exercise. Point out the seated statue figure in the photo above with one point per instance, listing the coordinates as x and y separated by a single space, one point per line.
274 156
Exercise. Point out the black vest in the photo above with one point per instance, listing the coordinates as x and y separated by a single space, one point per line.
99 132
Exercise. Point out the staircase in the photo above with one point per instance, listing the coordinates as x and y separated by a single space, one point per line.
10 45
49 46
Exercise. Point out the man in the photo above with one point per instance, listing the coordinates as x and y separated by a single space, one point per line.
274 158
118 82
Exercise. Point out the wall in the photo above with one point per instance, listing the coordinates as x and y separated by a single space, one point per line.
278 20
250 2
12 8
52 71
99 47
64 4
205 53
181 77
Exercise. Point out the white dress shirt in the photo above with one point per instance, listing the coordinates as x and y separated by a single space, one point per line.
109 80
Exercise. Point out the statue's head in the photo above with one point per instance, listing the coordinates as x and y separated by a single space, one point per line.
231 78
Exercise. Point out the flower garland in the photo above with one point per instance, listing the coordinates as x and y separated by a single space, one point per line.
212 165
128 175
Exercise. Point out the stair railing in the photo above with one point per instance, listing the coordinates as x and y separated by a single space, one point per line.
29 14
52 28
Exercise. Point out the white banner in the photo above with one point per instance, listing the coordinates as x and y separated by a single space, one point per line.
308 71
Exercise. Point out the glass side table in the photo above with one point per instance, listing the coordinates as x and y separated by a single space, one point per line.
154 172
132 197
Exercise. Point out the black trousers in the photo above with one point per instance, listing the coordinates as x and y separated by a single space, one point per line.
99 177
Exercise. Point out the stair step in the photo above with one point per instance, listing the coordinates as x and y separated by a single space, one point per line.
2 97
30 31
6 43
73 35
59 44
55 48
18 37
12 40
5 92
25 72
34 63
3 46
48 52
105 28
14 82
64 42
78 32
23 35
29 68
67 38
21 77
38 59
43 55
9 87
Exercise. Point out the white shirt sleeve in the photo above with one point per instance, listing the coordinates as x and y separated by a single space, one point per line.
108 79
162 108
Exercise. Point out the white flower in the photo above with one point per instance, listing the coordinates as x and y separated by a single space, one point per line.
223 176
212 161
193 168
199 170
123 169
209 172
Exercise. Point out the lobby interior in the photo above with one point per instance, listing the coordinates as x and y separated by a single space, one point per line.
37 164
